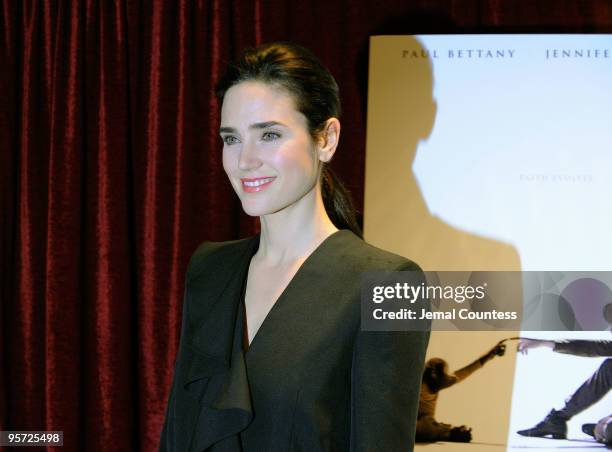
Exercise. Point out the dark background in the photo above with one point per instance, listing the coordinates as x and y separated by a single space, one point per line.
110 175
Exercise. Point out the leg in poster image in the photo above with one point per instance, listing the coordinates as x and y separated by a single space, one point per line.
602 431
589 393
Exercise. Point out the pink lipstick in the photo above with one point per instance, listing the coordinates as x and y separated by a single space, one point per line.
252 185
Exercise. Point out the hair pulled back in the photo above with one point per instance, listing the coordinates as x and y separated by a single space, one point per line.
315 94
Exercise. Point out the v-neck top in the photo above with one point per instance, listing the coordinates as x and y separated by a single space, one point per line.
310 380
245 325
249 256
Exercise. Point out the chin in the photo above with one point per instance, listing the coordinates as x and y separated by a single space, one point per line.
253 209
261 207
269 203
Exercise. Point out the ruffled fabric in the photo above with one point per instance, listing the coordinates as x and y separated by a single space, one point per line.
217 374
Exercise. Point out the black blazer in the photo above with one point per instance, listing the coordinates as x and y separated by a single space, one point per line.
311 380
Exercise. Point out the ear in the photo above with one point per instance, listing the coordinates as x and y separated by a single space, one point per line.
328 141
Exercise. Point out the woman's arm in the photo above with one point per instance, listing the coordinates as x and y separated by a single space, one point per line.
168 438
385 384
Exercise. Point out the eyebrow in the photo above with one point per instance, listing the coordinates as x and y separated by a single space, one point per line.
257 125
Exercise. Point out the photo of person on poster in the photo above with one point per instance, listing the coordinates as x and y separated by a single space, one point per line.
589 393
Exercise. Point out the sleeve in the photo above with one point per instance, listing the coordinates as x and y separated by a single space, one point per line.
168 439
385 386
168 435
584 348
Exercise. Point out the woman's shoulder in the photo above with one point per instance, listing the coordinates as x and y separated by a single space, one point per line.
208 253
364 256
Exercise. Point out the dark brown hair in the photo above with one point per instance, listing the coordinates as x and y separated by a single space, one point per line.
316 96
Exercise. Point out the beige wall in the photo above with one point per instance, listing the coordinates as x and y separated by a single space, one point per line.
401 113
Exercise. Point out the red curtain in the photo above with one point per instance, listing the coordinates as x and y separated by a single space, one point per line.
110 175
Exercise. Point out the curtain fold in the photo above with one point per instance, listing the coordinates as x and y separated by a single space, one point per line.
111 175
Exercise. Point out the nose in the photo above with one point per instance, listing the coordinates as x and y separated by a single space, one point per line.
249 157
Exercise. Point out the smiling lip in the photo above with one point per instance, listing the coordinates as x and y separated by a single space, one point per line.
256 184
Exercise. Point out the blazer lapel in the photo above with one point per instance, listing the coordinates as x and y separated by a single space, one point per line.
216 373
214 296
312 284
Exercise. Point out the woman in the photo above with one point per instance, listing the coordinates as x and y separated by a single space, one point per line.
271 356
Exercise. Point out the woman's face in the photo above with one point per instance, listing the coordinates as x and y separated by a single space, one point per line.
268 154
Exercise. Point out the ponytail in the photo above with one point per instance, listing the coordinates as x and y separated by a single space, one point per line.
338 202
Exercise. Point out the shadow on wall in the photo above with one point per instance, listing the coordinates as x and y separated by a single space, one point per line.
401 114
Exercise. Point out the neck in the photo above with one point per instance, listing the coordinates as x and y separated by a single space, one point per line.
296 231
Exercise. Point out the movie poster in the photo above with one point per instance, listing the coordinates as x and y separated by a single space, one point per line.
494 153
